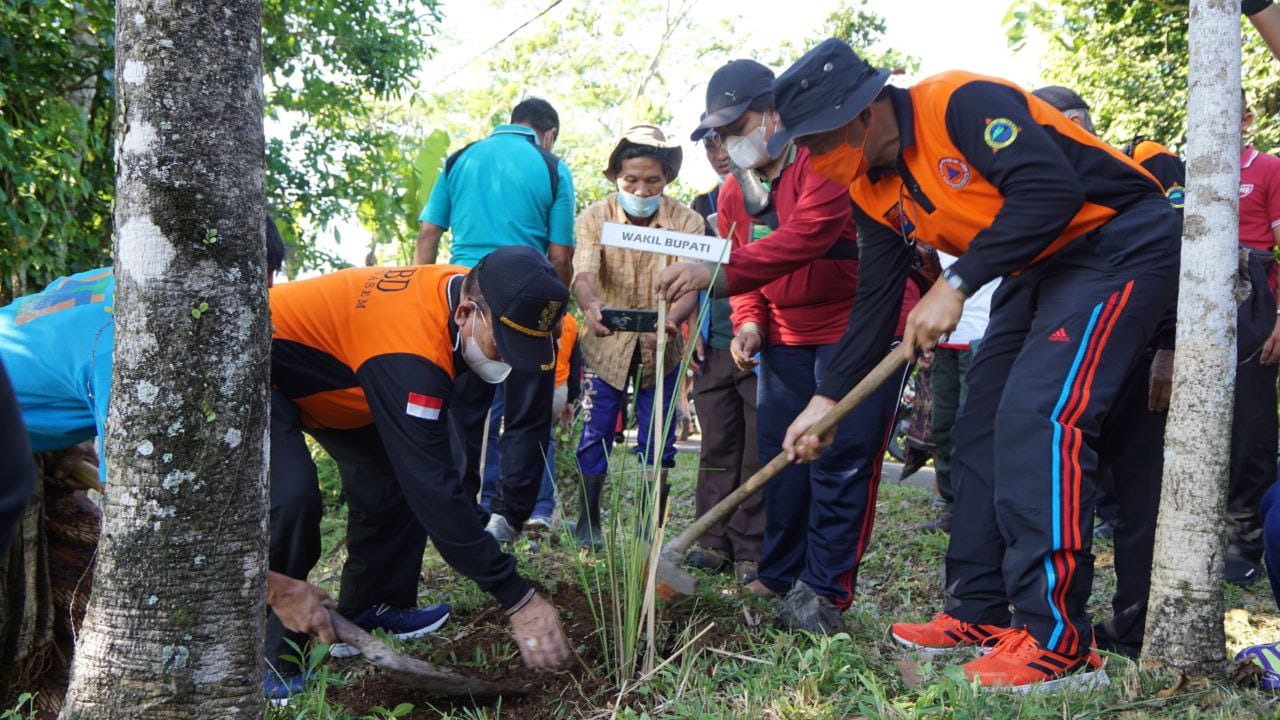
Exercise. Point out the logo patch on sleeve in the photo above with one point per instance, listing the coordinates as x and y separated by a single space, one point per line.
424 406
1000 133
1177 196
954 172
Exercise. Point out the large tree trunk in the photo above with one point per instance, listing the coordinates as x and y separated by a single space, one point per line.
174 627
1184 624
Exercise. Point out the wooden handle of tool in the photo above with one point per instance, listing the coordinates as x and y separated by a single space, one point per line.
855 397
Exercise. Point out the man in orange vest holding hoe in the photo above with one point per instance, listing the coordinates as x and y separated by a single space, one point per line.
1088 247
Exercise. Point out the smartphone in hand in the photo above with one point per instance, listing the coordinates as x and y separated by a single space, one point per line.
630 320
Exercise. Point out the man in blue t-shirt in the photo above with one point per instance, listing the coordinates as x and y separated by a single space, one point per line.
56 346
500 191
507 189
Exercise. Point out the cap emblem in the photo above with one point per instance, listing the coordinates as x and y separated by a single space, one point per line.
548 316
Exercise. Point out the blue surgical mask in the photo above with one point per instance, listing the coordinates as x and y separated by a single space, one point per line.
636 206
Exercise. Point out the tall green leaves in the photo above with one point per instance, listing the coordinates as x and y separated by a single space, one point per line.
330 69
56 172
1129 62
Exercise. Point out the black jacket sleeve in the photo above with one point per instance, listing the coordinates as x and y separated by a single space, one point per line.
418 448
1041 189
1168 169
884 260
17 469
1171 172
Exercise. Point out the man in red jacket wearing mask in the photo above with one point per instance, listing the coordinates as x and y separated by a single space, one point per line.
791 280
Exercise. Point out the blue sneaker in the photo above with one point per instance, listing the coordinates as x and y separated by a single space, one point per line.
1268 658
277 688
402 623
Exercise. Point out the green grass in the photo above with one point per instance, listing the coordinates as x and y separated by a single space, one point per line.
748 668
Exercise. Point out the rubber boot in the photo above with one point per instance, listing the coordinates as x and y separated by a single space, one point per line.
587 530
664 492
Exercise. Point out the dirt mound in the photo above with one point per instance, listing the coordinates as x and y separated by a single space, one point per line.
482 647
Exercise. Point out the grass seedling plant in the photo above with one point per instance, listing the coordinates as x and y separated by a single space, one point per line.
619 582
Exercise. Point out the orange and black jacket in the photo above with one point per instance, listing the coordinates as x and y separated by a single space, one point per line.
1167 168
986 172
374 346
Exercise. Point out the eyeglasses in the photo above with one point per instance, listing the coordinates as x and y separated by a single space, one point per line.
711 141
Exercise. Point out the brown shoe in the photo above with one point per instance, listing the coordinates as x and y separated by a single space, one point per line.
755 587
746 571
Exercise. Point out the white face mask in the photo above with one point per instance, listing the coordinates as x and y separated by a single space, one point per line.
636 206
749 151
486 368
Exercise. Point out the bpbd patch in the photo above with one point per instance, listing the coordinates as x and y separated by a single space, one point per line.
954 172
1177 196
1000 133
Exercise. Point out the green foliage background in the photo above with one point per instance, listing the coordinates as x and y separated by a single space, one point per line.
327 64
1128 60
355 137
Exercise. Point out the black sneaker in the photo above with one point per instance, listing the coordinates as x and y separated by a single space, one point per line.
804 609
942 523
1242 572
704 559
1104 529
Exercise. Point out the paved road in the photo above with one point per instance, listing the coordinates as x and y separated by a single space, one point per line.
892 471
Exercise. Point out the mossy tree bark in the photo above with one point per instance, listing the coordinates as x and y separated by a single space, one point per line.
1184 623
174 627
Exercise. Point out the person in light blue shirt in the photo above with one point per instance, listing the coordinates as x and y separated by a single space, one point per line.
507 189
57 345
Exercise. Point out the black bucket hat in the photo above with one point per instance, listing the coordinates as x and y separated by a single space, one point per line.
1062 98
526 299
823 90
730 92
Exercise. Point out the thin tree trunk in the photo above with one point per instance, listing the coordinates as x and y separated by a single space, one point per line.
175 624
1184 623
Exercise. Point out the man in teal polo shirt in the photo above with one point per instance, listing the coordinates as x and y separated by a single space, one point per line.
499 192
507 189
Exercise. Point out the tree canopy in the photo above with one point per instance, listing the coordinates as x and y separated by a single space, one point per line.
1129 62
326 65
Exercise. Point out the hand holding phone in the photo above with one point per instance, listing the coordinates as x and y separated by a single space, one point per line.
630 320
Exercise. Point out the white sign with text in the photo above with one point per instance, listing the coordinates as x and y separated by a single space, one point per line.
667 242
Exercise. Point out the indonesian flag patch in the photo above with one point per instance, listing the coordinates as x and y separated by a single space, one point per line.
424 406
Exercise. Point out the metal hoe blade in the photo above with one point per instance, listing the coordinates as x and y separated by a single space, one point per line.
415 673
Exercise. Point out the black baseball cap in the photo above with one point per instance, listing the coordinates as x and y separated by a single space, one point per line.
730 92
527 299
1062 98
823 90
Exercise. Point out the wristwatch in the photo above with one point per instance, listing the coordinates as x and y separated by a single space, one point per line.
956 282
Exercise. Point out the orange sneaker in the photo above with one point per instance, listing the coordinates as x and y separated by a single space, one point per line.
942 633
1018 663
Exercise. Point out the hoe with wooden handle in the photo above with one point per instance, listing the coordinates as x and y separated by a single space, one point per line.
674 580
416 673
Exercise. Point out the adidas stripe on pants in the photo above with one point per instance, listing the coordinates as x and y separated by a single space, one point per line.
1063 335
